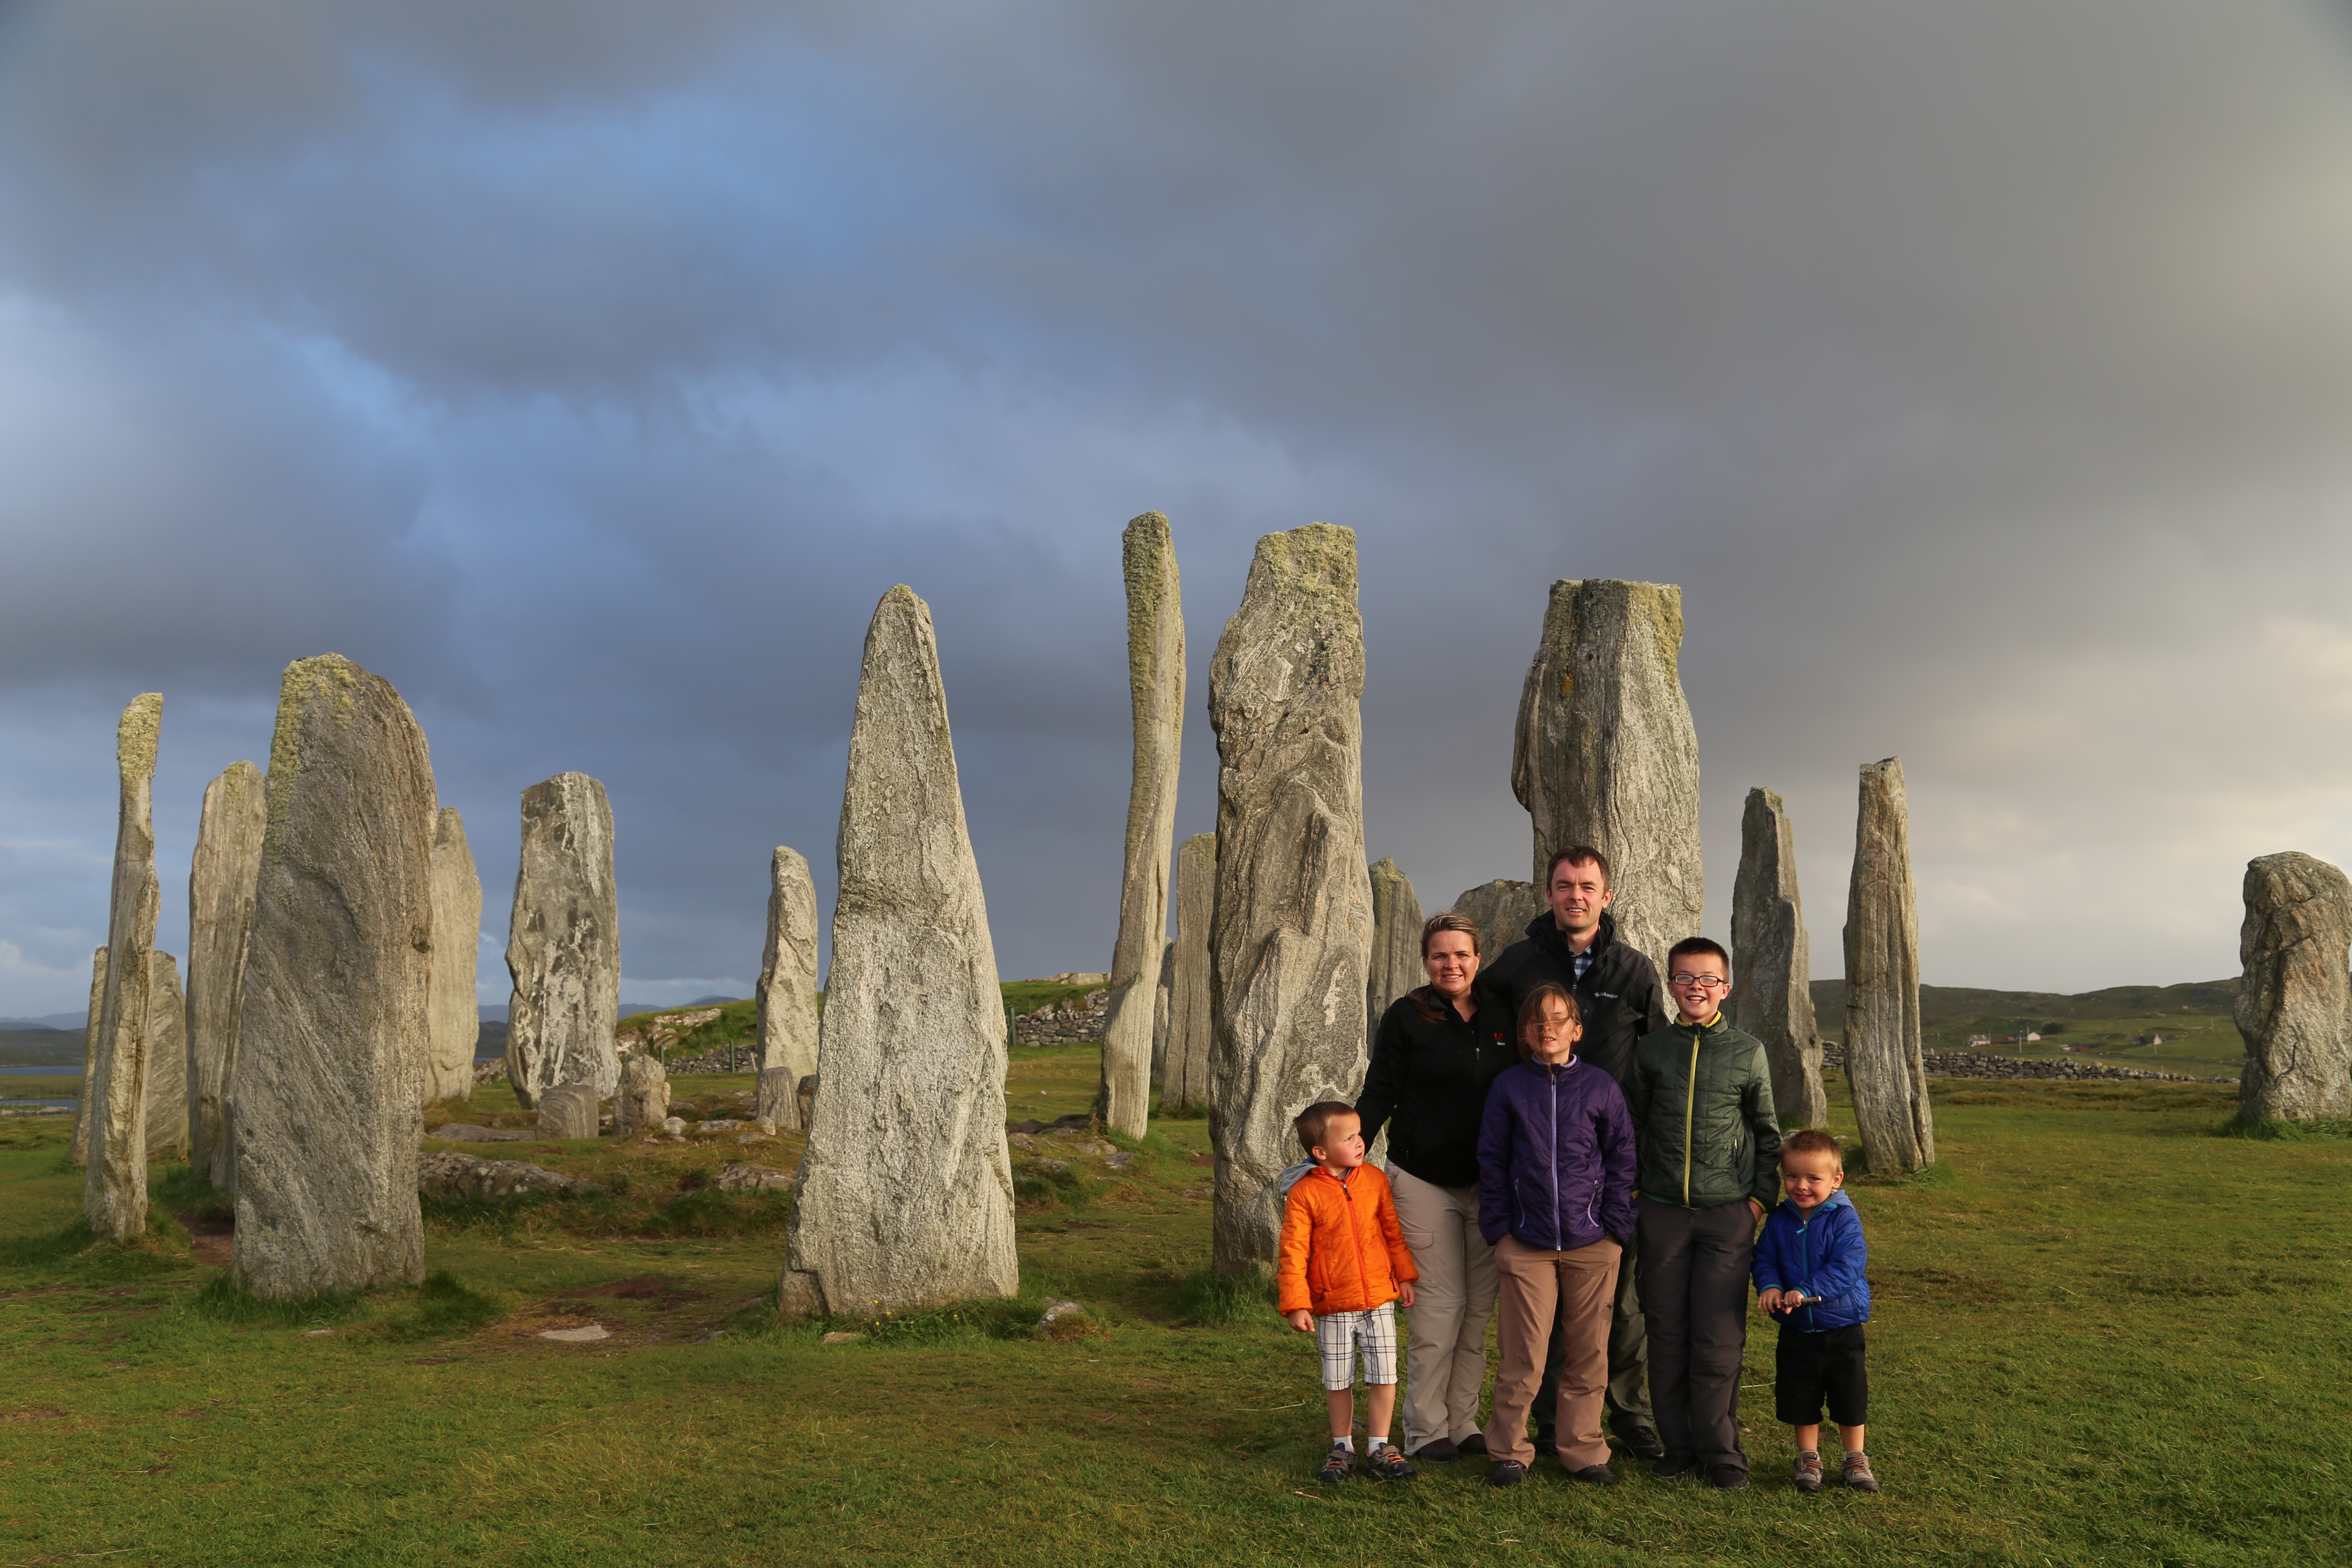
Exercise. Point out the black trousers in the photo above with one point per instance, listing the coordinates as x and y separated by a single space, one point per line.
1806 1368
1694 1272
1628 1398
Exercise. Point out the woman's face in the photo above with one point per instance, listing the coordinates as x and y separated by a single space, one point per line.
1552 1038
1452 962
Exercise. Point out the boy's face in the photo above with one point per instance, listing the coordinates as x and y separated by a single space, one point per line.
1808 1179
1698 984
1342 1148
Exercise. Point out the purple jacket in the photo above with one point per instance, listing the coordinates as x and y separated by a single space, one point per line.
1556 1157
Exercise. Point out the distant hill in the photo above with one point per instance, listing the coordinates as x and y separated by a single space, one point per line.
2174 1028
75 1022
40 1047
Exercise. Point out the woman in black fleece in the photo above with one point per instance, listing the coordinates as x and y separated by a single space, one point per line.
1438 1050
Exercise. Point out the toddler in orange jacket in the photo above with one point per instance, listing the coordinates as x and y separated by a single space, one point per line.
1344 1266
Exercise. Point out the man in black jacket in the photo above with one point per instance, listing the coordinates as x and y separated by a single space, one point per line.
1575 944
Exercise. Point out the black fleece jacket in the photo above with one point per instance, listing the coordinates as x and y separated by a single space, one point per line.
1428 1082
1619 995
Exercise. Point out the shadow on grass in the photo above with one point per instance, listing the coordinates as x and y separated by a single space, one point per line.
223 1301
444 1310
1939 1174
1215 1300
2269 1130
701 1211
76 1251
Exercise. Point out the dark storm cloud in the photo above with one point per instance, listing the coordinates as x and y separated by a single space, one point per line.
590 369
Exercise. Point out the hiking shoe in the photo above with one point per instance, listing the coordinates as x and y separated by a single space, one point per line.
1726 1477
1437 1451
1673 1468
1336 1465
1595 1474
1508 1473
1641 1443
1474 1444
1857 1473
1809 1471
1388 1463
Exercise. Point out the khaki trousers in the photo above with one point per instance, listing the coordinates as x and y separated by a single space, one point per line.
1578 1289
1445 1356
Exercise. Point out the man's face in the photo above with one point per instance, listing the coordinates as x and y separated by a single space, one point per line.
1578 894
1698 985
1342 1148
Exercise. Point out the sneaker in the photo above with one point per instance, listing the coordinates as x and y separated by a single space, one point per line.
1335 1465
1595 1474
1726 1477
1437 1452
1474 1444
1641 1443
1809 1471
1508 1473
1673 1468
1857 1473
1388 1463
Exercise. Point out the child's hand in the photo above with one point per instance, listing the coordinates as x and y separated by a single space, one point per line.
1770 1300
1404 1294
1302 1319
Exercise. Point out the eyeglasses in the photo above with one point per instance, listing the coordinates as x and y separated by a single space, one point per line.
1700 982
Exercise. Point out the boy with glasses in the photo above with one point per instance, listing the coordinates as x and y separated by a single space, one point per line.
1701 1095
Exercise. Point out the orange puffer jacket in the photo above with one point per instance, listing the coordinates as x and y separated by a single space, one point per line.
1342 1249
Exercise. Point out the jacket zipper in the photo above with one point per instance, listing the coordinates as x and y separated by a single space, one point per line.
1559 1234
1363 1272
1690 1110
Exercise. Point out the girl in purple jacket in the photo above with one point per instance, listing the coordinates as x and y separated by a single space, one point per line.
1555 1199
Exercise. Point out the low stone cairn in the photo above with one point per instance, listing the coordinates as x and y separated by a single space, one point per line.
1976 1064
1074 1020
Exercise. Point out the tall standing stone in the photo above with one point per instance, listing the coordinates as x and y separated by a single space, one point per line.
906 1187
1882 1059
1185 1077
1396 942
2294 1007
1772 961
1501 910
221 880
167 1056
82 1106
1155 681
1291 934
1159 999
114 1189
563 943
326 1109
1606 756
788 989
453 1013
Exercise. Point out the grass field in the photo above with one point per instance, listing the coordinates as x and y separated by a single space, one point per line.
2186 1029
2105 1333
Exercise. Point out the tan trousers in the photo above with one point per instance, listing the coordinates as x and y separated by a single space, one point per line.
1445 1356
1580 1288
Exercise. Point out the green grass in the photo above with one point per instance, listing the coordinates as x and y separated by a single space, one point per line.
2104 1334
2116 1027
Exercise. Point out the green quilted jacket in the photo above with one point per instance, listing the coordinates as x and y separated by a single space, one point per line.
1702 1104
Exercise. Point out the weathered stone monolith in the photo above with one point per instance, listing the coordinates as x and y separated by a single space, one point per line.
82 1117
787 991
2294 1007
642 1100
1606 756
1160 998
1772 961
1501 910
1184 1078
1396 943
453 1013
114 1189
904 1188
1292 933
167 1056
1882 1061
568 1110
325 1109
221 879
563 943
1155 681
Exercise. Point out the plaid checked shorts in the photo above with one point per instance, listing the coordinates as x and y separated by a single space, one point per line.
1340 1334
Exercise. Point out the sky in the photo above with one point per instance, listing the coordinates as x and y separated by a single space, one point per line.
589 369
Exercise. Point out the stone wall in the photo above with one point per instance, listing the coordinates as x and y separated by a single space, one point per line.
1978 1063
1074 1020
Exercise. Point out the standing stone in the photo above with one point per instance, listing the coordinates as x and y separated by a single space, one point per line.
2294 1007
114 1191
568 1110
221 879
563 943
1291 938
325 1110
788 989
1184 1080
1396 943
167 1056
642 1100
1155 681
1501 910
1159 1010
906 1186
1883 1060
1606 756
1772 961
453 1015
83 1116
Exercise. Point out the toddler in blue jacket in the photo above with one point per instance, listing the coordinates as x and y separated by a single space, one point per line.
1809 1275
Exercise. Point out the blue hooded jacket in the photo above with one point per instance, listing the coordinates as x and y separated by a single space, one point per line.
1823 1255
1556 1157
